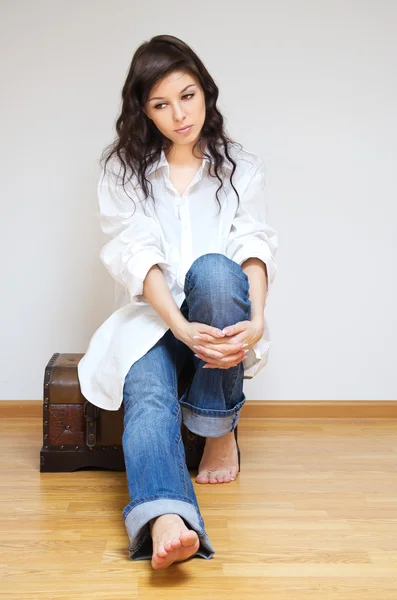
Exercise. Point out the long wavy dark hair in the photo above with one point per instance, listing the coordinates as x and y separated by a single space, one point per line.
139 142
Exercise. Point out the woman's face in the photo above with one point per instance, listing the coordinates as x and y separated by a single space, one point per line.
175 102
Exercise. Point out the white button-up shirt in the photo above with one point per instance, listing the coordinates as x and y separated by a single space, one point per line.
172 233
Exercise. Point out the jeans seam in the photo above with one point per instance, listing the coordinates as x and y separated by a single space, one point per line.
175 377
182 465
142 541
235 381
179 410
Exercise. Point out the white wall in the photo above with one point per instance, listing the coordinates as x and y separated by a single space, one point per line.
311 86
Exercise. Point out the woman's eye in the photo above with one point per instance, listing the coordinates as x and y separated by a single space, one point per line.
162 103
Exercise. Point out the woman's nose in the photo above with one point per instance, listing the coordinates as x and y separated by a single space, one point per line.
178 115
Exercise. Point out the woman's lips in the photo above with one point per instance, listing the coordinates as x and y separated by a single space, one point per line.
185 130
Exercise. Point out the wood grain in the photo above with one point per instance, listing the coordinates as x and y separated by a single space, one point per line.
312 514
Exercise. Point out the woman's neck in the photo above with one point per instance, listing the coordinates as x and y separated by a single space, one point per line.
182 155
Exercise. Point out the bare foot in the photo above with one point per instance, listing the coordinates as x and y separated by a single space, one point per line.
172 541
219 463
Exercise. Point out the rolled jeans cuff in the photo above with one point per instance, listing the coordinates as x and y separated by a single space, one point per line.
209 422
136 521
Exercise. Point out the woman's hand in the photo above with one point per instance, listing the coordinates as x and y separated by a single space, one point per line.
228 352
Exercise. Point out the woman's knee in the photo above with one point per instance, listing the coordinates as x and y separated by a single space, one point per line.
217 272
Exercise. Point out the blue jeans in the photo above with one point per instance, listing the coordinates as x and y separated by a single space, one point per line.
217 294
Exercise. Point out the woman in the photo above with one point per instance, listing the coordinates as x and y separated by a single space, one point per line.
193 258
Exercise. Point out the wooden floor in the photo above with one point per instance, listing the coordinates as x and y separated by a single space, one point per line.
312 515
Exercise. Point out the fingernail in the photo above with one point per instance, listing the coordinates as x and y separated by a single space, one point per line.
244 345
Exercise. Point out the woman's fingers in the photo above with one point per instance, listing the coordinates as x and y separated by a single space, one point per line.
224 362
207 353
211 339
207 337
225 350
211 336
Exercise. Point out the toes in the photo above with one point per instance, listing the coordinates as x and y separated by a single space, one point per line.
222 477
177 542
158 562
234 473
216 477
202 477
172 544
189 544
229 476
189 538
158 558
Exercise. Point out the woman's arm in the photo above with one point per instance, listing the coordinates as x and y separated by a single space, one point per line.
256 272
158 294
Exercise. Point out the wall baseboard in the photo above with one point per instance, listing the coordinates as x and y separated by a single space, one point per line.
320 409
259 409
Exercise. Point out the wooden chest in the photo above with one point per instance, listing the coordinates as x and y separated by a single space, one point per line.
77 434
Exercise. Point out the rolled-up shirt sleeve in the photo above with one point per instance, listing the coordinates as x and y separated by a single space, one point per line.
136 243
250 235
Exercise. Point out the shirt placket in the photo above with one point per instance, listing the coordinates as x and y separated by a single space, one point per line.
186 240
182 212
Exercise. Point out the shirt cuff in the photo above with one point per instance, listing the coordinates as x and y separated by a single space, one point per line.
262 252
137 270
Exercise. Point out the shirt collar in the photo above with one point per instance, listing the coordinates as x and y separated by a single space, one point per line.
163 162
